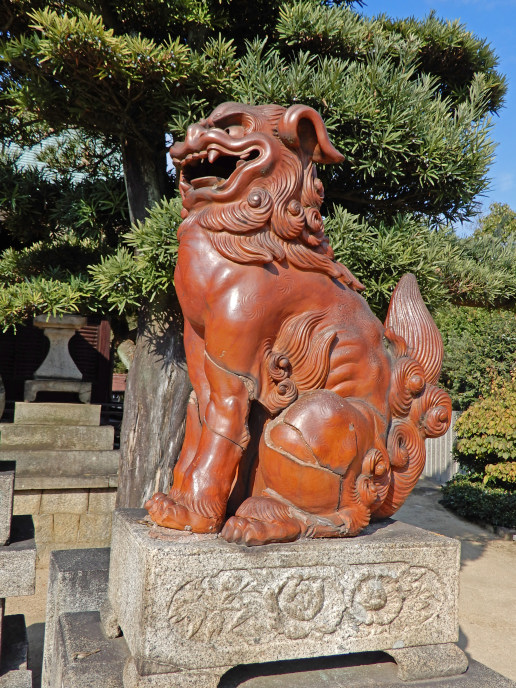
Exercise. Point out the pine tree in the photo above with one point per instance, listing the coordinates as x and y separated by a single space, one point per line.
407 103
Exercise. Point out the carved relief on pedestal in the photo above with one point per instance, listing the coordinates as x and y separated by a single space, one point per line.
359 601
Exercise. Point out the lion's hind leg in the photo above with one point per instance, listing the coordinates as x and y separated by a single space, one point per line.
260 520
314 474
265 519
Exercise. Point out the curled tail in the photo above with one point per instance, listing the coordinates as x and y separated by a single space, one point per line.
419 409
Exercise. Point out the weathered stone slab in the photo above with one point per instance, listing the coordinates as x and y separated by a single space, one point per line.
56 437
84 657
360 672
46 469
13 668
364 670
26 413
6 499
196 602
18 560
77 582
32 387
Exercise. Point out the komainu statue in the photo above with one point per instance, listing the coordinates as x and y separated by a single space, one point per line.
272 319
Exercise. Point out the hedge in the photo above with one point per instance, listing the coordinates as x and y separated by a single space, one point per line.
470 498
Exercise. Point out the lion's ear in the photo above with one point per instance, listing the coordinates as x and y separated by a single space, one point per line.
302 127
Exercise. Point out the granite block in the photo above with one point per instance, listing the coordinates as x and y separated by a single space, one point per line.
77 582
195 602
44 526
13 668
56 437
102 501
82 634
84 657
66 529
33 387
64 502
18 560
48 469
26 413
429 661
27 502
95 528
6 499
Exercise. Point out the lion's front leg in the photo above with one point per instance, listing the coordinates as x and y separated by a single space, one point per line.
199 504
199 398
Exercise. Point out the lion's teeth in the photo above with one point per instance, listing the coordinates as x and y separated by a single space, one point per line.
240 163
213 154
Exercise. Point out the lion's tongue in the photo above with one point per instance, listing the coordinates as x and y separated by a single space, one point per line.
205 181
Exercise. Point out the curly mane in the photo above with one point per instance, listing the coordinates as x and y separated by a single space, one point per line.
280 219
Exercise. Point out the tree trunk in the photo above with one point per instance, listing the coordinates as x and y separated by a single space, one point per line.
155 406
157 384
145 175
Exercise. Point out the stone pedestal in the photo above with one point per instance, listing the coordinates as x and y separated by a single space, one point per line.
193 606
17 577
58 372
82 389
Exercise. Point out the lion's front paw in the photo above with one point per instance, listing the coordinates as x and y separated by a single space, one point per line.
170 513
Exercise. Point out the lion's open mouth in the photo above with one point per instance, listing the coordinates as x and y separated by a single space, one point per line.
213 167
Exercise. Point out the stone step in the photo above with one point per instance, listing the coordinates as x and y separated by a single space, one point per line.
18 560
110 665
60 437
80 637
6 499
13 667
26 413
77 582
48 470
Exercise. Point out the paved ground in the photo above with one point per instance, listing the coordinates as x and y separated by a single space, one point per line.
487 603
487 606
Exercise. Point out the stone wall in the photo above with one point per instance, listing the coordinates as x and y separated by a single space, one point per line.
67 518
66 473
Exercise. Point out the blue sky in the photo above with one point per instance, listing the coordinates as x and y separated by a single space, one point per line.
495 21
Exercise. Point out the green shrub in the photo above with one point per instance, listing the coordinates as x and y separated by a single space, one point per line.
470 498
486 432
502 473
486 450
479 347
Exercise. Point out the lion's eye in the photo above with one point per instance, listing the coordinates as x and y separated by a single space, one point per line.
235 131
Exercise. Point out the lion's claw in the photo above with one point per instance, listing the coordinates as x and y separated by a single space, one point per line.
169 513
252 532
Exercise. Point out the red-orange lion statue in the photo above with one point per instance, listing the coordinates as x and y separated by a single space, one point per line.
272 319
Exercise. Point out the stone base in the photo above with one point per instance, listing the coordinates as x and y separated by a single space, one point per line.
26 413
194 605
32 387
18 560
77 582
84 656
13 669
18 437
110 665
